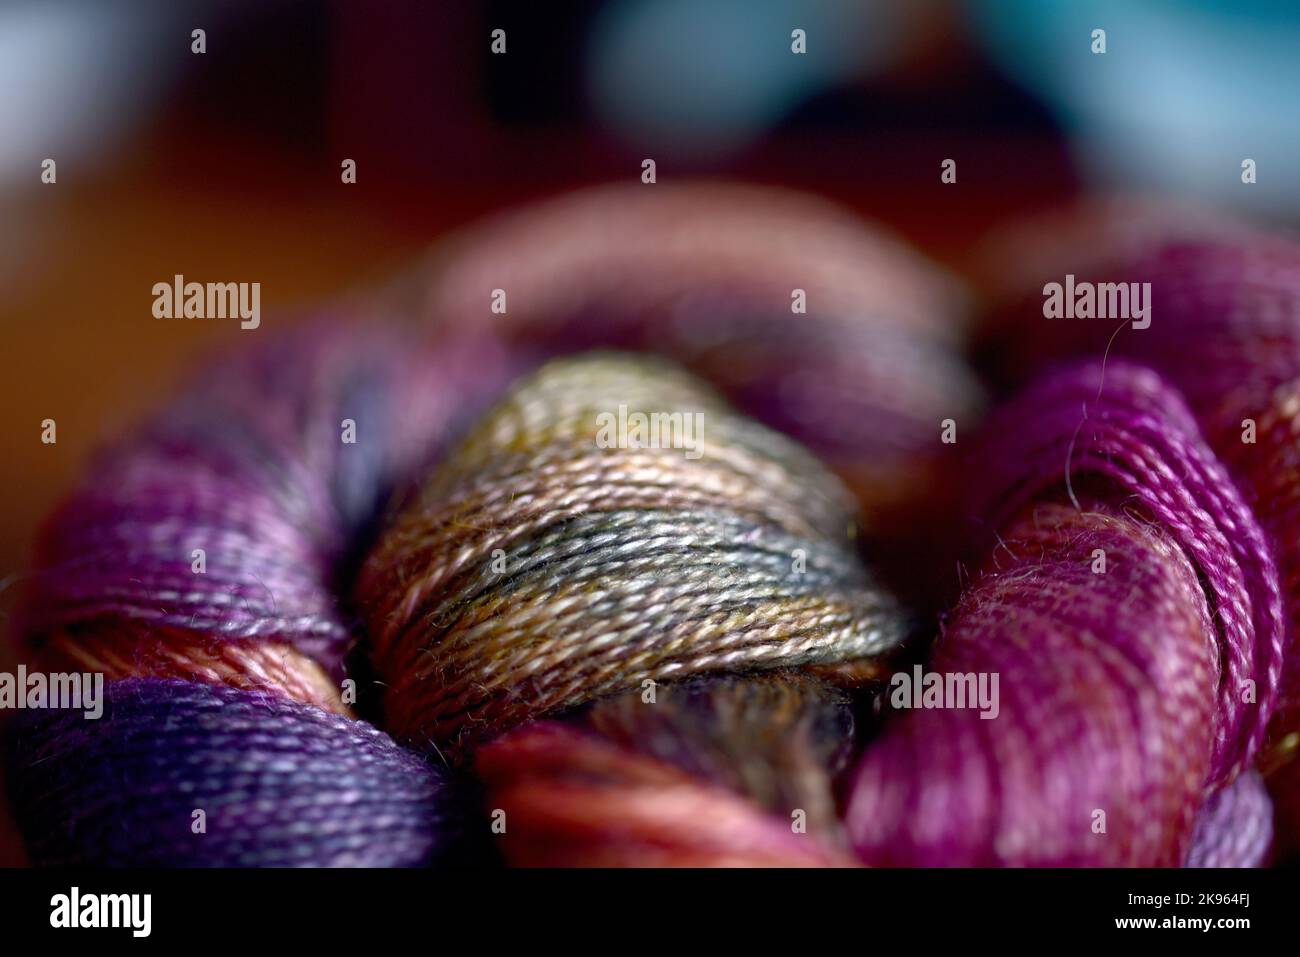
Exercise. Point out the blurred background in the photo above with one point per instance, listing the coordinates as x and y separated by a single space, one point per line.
225 164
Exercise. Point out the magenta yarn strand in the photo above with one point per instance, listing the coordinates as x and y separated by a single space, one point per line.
1121 692
1122 424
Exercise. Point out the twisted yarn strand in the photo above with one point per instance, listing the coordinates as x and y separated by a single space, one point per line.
1108 716
613 566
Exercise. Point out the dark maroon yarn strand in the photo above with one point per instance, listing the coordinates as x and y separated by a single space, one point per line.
278 783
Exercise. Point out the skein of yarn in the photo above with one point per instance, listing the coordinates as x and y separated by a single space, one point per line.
639 619
183 773
211 544
1225 329
1131 611
611 523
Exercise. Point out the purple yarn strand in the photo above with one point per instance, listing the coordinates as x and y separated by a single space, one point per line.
249 465
279 784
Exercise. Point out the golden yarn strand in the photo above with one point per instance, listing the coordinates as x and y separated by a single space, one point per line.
539 569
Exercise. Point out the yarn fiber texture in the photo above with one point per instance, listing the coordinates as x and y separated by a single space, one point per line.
1122 689
1225 330
277 783
713 774
1235 827
247 466
613 566
377 580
